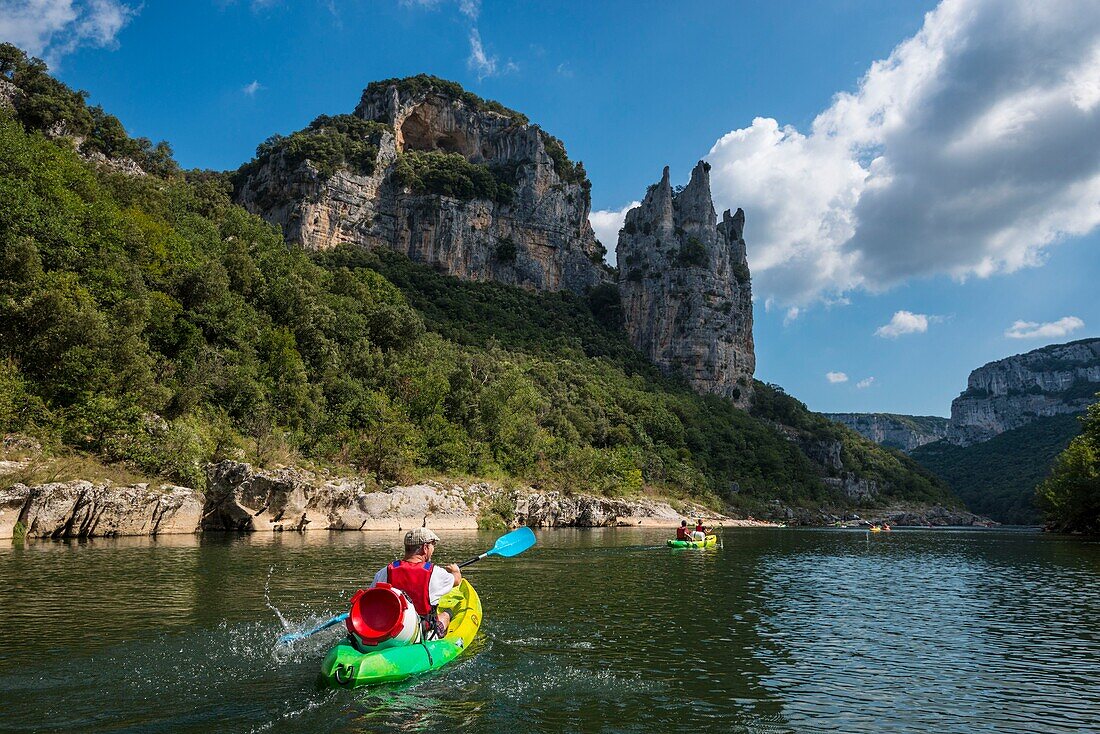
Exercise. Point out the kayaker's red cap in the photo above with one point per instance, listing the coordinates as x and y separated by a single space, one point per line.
377 614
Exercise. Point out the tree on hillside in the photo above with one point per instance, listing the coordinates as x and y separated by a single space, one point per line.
1070 498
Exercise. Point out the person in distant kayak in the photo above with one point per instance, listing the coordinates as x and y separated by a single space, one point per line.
700 531
682 532
424 582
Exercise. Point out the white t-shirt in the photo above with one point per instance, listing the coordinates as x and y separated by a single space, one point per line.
439 584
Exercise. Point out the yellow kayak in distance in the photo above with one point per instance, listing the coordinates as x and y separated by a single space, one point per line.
709 542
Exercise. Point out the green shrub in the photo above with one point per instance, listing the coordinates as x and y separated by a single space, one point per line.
330 143
568 171
693 254
449 174
1070 498
421 84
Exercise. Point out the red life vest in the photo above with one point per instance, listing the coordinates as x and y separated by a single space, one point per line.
700 529
413 579
683 533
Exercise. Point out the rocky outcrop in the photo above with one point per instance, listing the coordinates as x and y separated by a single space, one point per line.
240 497
9 96
895 515
855 488
685 288
903 432
80 509
554 510
537 237
1012 392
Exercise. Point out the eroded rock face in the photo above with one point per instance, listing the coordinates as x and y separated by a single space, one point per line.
80 509
554 510
541 239
1011 392
243 498
903 432
686 292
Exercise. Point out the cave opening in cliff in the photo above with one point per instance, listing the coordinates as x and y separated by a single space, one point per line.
418 133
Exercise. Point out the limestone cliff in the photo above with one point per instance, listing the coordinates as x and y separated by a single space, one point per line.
684 282
903 432
453 181
1012 392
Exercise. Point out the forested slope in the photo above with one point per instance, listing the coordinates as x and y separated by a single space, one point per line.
997 478
147 320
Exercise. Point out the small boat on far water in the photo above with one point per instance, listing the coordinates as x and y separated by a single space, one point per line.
708 542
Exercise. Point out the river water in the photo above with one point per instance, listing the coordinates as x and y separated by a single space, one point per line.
591 630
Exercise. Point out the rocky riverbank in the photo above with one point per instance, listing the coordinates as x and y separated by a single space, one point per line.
239 497
901 515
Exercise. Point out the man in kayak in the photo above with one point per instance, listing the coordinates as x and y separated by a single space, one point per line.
682 532
423 581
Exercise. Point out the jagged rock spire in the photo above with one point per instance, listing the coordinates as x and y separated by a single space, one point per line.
686 293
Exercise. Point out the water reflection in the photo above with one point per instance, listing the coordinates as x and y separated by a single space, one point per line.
777 631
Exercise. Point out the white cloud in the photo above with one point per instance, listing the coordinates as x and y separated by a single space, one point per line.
1048 330
54 28
791 315
904 322
865 383
607 223
483 64
836 377
251 88
470 8
967 152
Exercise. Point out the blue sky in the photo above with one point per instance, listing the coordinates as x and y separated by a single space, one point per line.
946 182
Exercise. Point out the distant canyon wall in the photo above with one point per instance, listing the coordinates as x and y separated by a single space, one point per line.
1000 396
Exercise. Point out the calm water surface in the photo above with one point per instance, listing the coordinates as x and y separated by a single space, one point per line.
592 630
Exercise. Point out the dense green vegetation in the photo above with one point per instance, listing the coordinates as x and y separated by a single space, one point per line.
414 86
449 174
329 143
1070 498
46 104
997 478
900 476
151 322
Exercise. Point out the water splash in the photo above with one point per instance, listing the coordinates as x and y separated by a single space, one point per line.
267 599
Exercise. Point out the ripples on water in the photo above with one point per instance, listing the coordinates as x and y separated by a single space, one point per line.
778 631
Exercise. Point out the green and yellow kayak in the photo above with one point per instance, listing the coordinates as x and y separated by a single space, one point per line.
709 541
347 667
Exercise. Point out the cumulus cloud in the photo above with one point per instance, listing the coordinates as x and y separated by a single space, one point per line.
53 29
904 322
865 383
968 151
1048 330
251 88
607 223
836 377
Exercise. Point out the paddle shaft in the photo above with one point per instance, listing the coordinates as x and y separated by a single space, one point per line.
475 559
293 636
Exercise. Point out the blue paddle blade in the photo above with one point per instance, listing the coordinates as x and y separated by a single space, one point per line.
295 636
513 543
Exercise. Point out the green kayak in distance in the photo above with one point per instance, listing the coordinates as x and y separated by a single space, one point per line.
708 542
347 667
